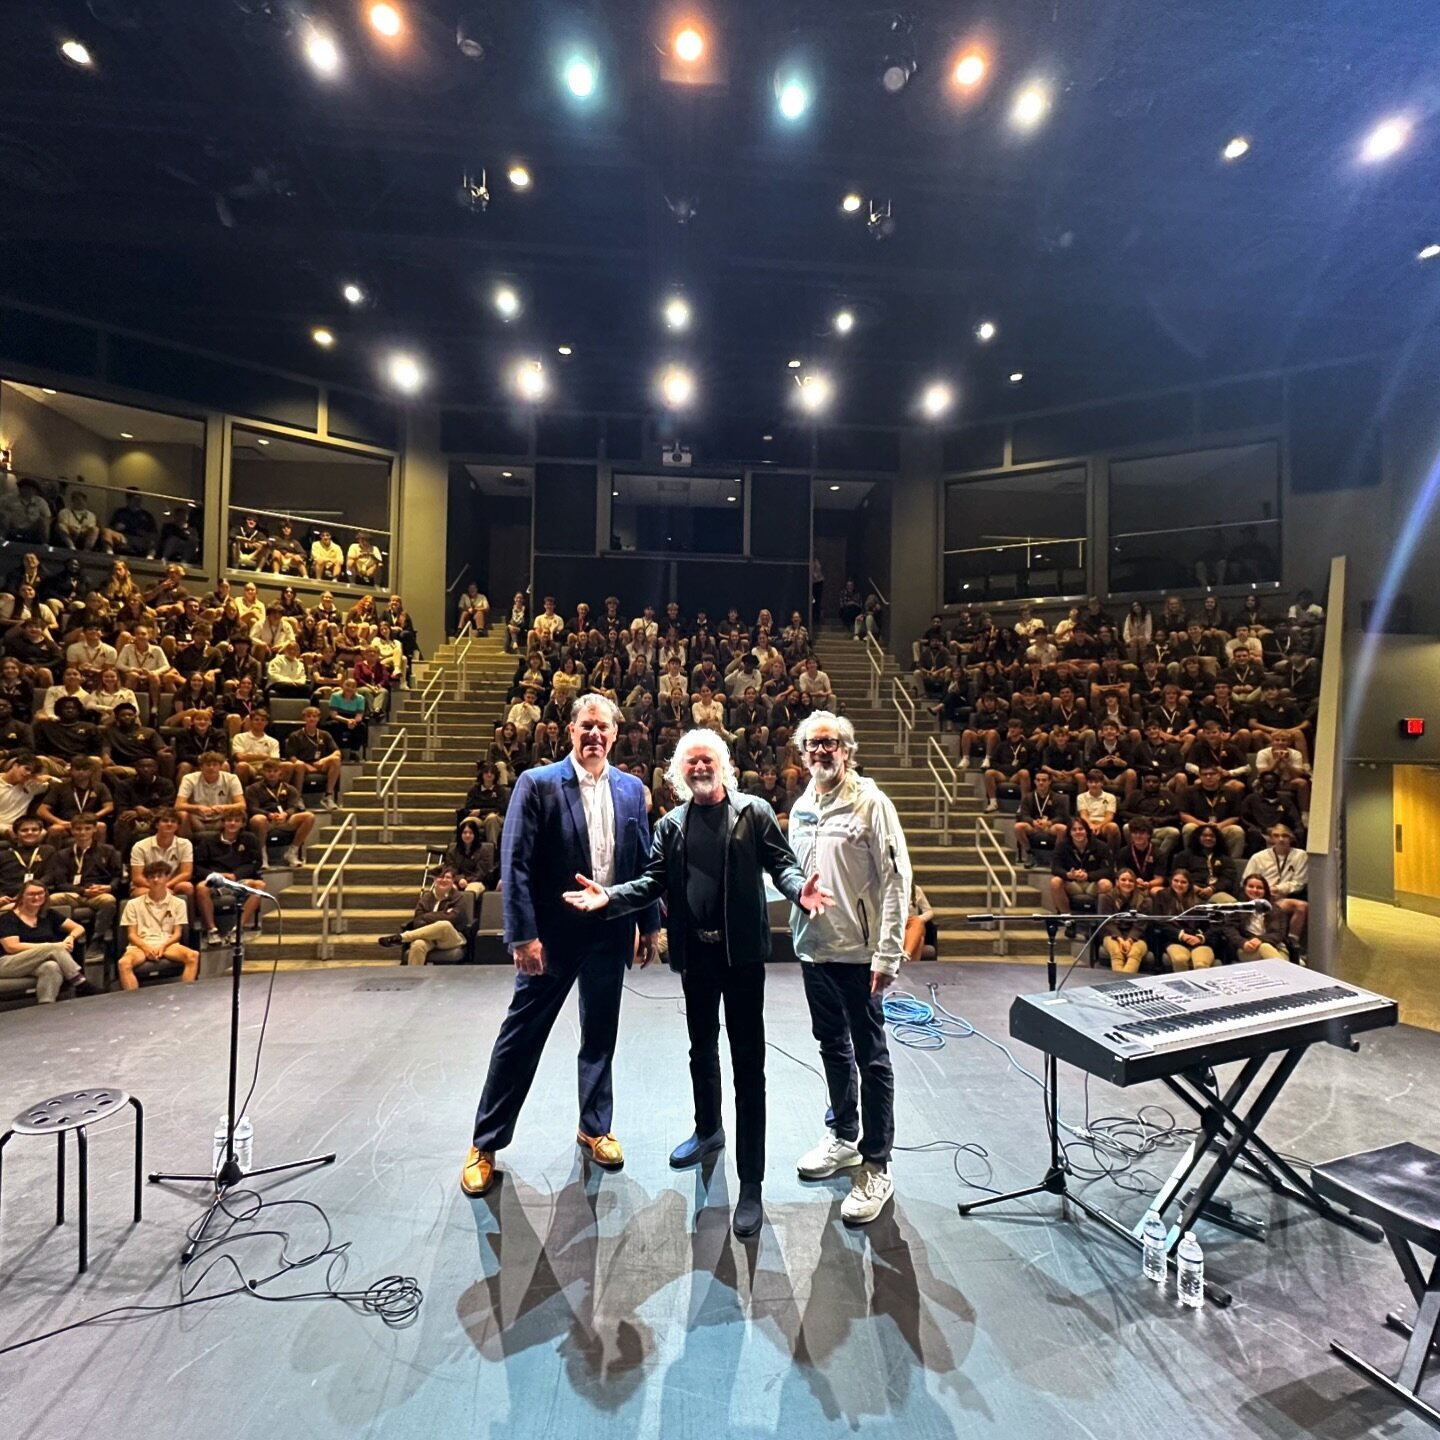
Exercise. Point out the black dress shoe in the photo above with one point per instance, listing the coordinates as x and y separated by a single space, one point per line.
694 1150
392 939
749 1212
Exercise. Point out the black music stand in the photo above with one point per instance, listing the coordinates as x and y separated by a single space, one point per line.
230 1174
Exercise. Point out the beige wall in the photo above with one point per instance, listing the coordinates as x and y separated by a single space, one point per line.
47 444
422 522
351 495
157 468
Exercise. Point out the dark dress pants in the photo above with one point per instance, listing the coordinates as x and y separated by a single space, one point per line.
849 1023
533 1008
708 981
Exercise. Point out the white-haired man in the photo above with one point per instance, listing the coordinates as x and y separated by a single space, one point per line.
844 829
710 857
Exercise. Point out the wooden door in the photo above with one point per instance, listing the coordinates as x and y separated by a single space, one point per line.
1417 836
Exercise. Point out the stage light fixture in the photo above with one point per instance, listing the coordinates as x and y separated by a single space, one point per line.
969 69
792 95
880 223
677 313
689 45
793 364
936 400
385 20
1016 376
530 381
126 435
405 373
506 302
323 337
322 52
1236 148
851 203
77 53
1428 253
581 76
564 350
677 387
844 322
1032 104
1385 140
352 293
985 331
520 177
814 392
468 37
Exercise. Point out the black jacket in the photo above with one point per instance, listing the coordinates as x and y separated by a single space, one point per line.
755 847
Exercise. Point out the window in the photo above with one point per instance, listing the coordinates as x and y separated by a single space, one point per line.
1015 535
689 515
306 509
1205 517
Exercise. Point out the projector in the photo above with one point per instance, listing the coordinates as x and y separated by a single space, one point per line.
676 456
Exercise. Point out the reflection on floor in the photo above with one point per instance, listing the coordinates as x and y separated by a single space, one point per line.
1396 952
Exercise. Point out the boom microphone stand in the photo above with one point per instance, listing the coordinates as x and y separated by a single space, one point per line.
230 1174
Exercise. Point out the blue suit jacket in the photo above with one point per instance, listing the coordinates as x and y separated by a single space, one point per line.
545 845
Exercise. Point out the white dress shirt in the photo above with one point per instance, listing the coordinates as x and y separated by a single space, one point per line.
599 821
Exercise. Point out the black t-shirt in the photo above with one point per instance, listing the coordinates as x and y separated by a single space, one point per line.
310 748
45 931
240 859
128 746
705 865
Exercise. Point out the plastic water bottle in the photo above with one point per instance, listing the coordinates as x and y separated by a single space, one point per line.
1190 1271
244 1143
1152 1248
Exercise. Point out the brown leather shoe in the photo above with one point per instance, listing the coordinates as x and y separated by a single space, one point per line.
604 1150
479 1172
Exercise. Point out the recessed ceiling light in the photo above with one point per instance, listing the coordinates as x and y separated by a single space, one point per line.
405 373
322 52
844 322
519 177
677 313
834 488
677 387
767 438
507 474
322 337
126 435
1428 253
564 350
580 76
1032 103
937 399
969 69
1016 376
385 19
985 331
48 391
507 302
1236 148
614 494
689 45
262 441
815 392
352 293
792 96
851 203
733 499
792 364
1385 139
76 53
530 380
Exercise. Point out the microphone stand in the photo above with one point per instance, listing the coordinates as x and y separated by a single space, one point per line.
230 1174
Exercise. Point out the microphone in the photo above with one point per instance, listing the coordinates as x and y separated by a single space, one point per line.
216 881
1239 907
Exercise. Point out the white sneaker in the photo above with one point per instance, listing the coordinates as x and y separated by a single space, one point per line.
212 937
965 762
289 856
829 1157
329 803
868 1196
991 806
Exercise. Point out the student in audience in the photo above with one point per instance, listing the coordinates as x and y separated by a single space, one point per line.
286 555
1260 936
1009 762
1098 807
23 858
65 738
207 795
75 525
37 941
1124 938
327 559
310 751
1267 806
81 792
147 667
1063 760
109 694
1214 876
1044 811
84 876
486 802
1286 870
21 781
1083 868
166 845
138 801
234 852
1207 801
69 686
363 560
440 915
1140 853
277 811
154 921
254 746
1183 936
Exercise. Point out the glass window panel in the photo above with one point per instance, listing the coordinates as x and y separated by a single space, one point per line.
682 515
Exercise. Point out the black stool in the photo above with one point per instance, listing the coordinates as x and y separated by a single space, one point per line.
1398 1187
75 1111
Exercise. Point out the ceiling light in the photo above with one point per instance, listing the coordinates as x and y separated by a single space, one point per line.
792 96
1385 139
1030 107
322 337
580 76
322 52
126 435
689 45
1236 148
48 391
834 488
352 293
733 499
1428 253
767 438
507 302
844 322
519 177
793 364
936 400
1016 376
507 474
405 373
76 53
896 74
985 331
969 69
614 494
677 387
564 350
815 393
851 203
530 381
385 19
677 313
262 441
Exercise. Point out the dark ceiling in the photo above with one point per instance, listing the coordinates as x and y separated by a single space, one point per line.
201 183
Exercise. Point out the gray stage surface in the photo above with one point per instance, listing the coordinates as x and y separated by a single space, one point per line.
568 1304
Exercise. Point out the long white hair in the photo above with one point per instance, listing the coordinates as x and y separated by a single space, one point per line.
701 739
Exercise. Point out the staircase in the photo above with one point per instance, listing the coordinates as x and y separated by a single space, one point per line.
382 879
951 875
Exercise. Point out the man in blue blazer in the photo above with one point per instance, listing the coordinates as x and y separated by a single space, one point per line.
576 816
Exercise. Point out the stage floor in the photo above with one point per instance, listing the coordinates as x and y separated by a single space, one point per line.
588 1305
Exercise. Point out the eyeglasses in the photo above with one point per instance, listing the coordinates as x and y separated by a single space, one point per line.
826 745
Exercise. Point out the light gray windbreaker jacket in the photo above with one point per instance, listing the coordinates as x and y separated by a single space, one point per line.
852 838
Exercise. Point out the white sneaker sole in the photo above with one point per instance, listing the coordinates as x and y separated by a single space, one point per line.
866 1216
826 1172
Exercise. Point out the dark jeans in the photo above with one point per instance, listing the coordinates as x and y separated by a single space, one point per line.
533 1009
849 1023
707 981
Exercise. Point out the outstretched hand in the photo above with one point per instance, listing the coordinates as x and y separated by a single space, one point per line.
590 896
815 899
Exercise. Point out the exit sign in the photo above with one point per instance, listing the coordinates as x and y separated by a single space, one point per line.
1412 727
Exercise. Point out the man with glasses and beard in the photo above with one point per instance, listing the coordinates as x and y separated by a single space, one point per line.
579 815
710 857
844 829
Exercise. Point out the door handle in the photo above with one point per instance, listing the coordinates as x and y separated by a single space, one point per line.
1399 839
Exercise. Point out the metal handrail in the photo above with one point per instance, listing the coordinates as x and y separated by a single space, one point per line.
947 793
904 703
464 571
387 786
986 839
461 657
430 698
876 656
331 895
878 592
